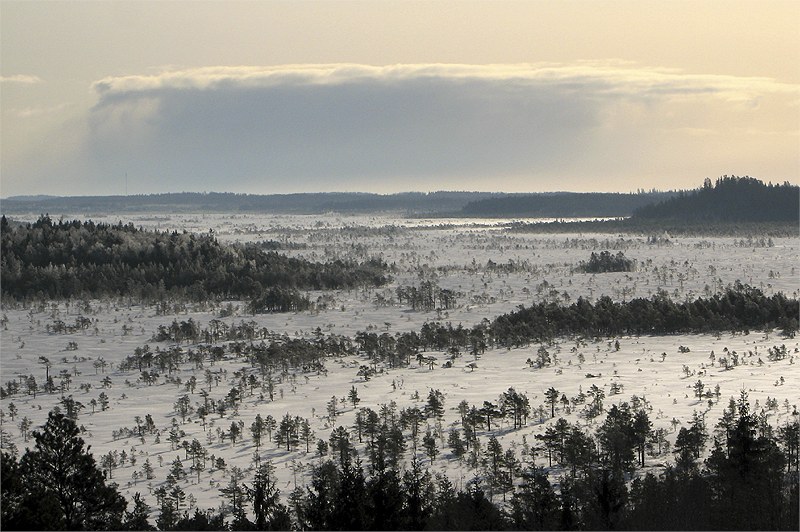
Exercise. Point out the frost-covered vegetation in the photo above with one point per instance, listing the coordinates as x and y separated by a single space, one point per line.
74 259
488 384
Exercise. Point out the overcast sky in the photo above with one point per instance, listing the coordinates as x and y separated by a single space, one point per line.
267 97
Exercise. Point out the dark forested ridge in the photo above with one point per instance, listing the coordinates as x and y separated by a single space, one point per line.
564 204
74 259
730 199
733 206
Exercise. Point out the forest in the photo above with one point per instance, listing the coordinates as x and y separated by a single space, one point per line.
59 260
748 482
401 402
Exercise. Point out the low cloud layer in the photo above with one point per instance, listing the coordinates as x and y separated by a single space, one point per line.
23 79
585 126
617 78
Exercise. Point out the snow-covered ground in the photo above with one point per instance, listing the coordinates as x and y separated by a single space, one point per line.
454 253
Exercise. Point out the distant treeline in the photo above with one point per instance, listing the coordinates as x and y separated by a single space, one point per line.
307 203
731 199
470 204
49 259
564 204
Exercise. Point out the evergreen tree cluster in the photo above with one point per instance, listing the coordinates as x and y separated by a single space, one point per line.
279 299
738 308
605 262
57 260
662 226
427 296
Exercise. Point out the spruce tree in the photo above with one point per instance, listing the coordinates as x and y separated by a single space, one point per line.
137 518
270 513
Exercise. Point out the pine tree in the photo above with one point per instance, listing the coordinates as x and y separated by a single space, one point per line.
332 409
435 405
353 396
551 395
235 492
257 430
147 469
306 434
490 411
689 443
642 427
61 470
456 443
287 432
617 439
429 444
340 444
176 470
269 425
235 432
494 462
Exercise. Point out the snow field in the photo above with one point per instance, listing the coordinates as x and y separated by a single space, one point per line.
686 268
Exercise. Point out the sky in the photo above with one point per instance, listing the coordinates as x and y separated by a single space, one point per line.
116 97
